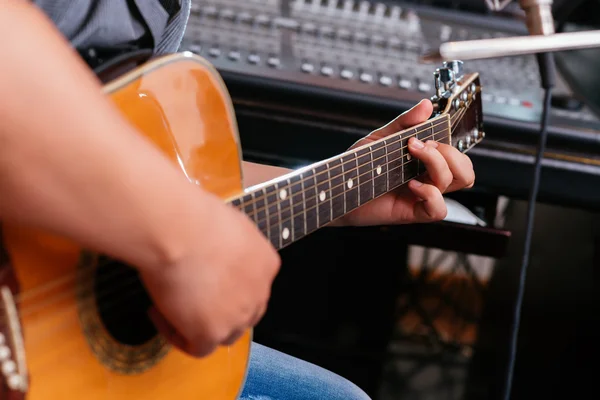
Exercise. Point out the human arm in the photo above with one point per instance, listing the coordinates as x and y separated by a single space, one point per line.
71 165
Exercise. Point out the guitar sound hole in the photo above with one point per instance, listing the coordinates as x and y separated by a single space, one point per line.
123 303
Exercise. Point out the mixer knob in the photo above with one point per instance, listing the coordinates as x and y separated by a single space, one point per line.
456 66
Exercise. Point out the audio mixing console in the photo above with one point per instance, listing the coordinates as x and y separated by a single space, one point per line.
370 50
345 66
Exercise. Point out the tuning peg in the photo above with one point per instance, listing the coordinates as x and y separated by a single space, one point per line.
456 66
447 78
444 80
439 86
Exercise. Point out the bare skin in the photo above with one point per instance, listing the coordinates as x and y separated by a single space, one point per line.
52 147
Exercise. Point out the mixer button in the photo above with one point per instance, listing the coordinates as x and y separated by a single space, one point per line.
214 52
307 67
227 14
210 11
195 48
234 55
346 73
245 17
309 28
326 70
514 102
405 84
385 80
262 19
344 34
273 62
286 23
327 31
366 77
253 58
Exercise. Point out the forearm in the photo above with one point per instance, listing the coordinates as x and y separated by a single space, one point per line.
69 163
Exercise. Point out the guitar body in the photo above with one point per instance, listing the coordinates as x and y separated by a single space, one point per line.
82 331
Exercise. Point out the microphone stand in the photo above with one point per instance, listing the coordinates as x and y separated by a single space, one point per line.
543 42
513 46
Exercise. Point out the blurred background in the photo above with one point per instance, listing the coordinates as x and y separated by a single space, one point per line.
423 311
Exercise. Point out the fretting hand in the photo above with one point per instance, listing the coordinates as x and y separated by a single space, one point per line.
421 200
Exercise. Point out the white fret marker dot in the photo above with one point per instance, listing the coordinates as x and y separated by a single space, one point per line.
350 183
285 234
322 196
378 169
282 194
408 157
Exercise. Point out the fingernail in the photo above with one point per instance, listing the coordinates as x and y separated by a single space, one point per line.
417 143
433 143
417 183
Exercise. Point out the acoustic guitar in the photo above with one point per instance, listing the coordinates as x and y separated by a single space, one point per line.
74 325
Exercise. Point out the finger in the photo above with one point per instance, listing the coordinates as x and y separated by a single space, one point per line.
431 206
435 163
233 337
167 330
258 315
419 113
461 167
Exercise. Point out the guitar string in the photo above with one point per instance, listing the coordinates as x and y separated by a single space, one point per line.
25 295
66 279
35 307
332 188
329 168
34 291
262 195
289 185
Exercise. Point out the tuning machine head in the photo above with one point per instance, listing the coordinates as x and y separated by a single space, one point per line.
457 68
447 77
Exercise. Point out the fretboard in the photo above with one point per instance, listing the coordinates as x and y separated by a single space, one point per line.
293 206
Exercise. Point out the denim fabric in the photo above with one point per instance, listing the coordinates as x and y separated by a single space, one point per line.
274 375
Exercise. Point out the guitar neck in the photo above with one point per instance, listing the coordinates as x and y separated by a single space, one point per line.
297 204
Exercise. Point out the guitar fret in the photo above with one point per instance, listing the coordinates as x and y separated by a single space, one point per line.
262 213
351 183
410 165
336 173
395 175
298 207
311 201
330 195
285 215
425 134
274 219
323 195
370 194
254 210
380 182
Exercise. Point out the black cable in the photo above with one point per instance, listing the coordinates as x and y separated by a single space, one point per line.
547 74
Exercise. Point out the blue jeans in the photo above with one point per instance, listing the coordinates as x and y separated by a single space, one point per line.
273 375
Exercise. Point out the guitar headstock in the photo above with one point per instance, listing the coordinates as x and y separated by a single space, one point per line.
459 96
